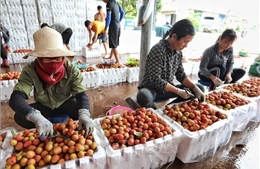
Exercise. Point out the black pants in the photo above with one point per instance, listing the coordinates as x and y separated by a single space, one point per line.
113 37
66 35
3 52
146 97
220 72
69 107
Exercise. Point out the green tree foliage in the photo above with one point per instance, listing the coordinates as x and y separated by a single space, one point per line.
194 17
129 7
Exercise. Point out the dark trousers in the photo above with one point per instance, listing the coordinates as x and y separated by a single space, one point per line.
113 37
66 35
146 97
220 72
3 52
69 107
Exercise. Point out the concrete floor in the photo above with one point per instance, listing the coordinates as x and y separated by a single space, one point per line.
227 157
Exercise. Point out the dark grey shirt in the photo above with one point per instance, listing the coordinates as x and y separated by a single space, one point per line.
211 57
113 7
162 65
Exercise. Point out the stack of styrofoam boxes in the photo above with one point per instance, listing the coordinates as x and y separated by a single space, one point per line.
151 155
5 21
6 87
31 20
69 13
80 33
91 79
196 146
112 75
57 11
17 23
45 13
91 7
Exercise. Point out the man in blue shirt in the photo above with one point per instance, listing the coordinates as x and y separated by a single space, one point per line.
114 16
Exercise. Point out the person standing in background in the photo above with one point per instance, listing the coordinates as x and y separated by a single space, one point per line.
100 15
5 37
115 14
65 31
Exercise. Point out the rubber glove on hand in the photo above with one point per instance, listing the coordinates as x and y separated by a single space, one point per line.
217 81
199 94
85 122
43 126
228 78
184 94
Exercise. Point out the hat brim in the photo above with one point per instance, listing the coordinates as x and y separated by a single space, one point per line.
49 53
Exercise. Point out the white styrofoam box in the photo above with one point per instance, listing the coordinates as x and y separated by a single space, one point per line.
132 74
196 146
188 67
29 10
18 58
253 107
44 7
256 118
195 68
112 75
91 79
94 53
97 161
242 114
6 150
238 62
7 88
151 155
